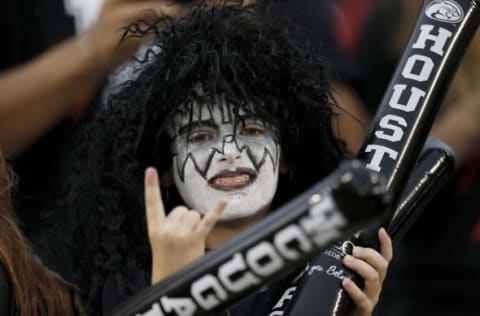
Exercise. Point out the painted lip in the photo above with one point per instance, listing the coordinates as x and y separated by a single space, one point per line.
231 180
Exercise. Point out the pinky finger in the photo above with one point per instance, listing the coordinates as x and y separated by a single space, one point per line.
385 244
363 303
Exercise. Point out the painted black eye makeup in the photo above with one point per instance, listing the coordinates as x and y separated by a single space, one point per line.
244 133
251 127
201 135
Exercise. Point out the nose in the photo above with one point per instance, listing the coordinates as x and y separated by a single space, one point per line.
230 150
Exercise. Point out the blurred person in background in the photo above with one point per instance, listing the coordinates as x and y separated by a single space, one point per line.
47 77
347 33
27 288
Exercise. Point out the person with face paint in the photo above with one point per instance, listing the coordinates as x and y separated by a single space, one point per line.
235 115
224 162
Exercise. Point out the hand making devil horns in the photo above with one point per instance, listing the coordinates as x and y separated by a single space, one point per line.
176 239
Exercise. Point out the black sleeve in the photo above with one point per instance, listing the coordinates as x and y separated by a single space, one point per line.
5 293
114 293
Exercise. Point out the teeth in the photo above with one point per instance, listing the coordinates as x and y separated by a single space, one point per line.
231 181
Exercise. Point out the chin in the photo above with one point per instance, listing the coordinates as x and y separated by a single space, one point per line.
239 209
234 215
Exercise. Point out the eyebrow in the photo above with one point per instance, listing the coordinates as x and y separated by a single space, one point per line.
252 118
249 117
185 128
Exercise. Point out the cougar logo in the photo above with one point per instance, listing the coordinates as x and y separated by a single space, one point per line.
347 247
445 11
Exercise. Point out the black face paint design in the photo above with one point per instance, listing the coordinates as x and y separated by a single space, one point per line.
224 136
218 154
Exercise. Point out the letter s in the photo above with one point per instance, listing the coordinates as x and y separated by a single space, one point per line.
387 122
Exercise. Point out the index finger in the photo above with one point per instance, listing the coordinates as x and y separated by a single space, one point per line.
211 218
155 211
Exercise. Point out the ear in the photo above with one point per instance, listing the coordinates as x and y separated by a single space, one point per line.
166 180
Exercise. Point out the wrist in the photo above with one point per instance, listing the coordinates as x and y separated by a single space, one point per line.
158 274
90 56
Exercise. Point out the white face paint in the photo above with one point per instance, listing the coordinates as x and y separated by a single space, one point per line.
212 161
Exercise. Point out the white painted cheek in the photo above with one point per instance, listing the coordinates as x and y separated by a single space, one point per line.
194 190
255 197
198 195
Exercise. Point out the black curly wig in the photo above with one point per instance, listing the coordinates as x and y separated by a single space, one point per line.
234 50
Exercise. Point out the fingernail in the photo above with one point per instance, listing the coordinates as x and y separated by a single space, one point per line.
222 203
150 173
356 250
347 282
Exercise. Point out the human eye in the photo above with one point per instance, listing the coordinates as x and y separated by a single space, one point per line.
200 137
253 129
